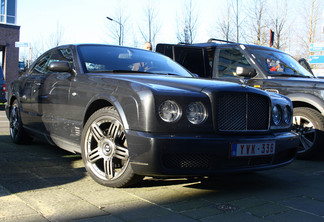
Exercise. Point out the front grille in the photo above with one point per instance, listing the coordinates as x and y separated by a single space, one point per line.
190 161
242 112
186 161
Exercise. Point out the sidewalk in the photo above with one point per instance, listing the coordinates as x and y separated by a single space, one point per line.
40 182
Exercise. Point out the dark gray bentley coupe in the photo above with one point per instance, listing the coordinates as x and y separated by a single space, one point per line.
133 113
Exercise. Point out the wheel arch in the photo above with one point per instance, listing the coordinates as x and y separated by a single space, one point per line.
99 103
309 101
9 104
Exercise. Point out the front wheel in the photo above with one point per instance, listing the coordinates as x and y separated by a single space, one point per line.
17 132
104 150
309 124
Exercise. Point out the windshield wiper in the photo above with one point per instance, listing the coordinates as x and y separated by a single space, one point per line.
290 75
132 71
119 71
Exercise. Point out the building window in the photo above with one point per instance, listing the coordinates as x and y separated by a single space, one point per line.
8 11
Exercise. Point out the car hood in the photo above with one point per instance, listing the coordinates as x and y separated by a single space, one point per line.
308 83
176 83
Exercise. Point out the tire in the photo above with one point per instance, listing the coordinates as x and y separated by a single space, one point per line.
309 124
104 150
17 132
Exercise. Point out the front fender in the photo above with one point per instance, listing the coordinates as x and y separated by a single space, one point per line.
312 100
102 100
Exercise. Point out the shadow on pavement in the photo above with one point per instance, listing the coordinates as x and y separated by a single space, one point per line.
36 166
39 165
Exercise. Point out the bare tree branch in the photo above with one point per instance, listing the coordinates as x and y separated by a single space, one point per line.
279 24
311 13
187 24
258 22
151 28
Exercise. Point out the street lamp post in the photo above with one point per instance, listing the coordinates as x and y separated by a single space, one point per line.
121 29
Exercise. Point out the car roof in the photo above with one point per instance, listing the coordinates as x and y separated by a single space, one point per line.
214 45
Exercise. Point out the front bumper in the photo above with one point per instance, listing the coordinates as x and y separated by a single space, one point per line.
183 155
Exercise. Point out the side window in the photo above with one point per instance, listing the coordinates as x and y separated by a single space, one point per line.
41 65
227 60
191 58
57 55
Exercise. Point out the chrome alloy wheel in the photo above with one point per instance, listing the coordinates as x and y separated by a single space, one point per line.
14 121
106 150
307 134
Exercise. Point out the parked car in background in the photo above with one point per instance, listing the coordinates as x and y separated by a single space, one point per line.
134 113
264 68
2 87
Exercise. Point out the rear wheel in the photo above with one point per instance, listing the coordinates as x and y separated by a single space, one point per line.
104 150
17 132
309 124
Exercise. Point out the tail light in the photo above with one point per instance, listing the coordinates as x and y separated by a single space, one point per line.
3 88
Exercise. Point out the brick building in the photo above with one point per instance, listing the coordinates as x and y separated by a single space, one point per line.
9 34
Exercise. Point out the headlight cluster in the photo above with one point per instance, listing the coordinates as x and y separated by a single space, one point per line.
281 115
170 111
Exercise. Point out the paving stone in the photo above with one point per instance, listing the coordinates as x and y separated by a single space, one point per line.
267 210
106 196
233 217
173 217
3 191
108 218
248 202
203 212
60 205
307 205
24 218
188 205
295 216
136 210
11 205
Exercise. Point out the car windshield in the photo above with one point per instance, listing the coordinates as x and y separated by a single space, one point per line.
278 63
101 58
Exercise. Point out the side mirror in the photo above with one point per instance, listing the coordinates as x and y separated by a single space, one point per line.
62 66
245 71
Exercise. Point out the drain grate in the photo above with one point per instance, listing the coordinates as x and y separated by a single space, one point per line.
227 207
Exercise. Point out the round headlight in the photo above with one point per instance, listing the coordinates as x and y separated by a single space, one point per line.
276 115
287 114
169 111
196 113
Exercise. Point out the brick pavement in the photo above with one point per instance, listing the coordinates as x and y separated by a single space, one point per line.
40 182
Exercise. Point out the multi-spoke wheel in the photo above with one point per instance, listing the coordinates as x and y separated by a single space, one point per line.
17 133
309 124
104 150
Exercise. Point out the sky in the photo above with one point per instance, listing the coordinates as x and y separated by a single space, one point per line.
84 21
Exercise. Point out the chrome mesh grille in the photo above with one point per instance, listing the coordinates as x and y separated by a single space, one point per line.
241 112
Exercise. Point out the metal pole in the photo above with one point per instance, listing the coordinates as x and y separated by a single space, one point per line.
121 30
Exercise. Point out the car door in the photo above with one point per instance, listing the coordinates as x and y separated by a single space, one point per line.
226 60
30 97
55 95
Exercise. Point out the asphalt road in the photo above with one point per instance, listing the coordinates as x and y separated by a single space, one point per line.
39 182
